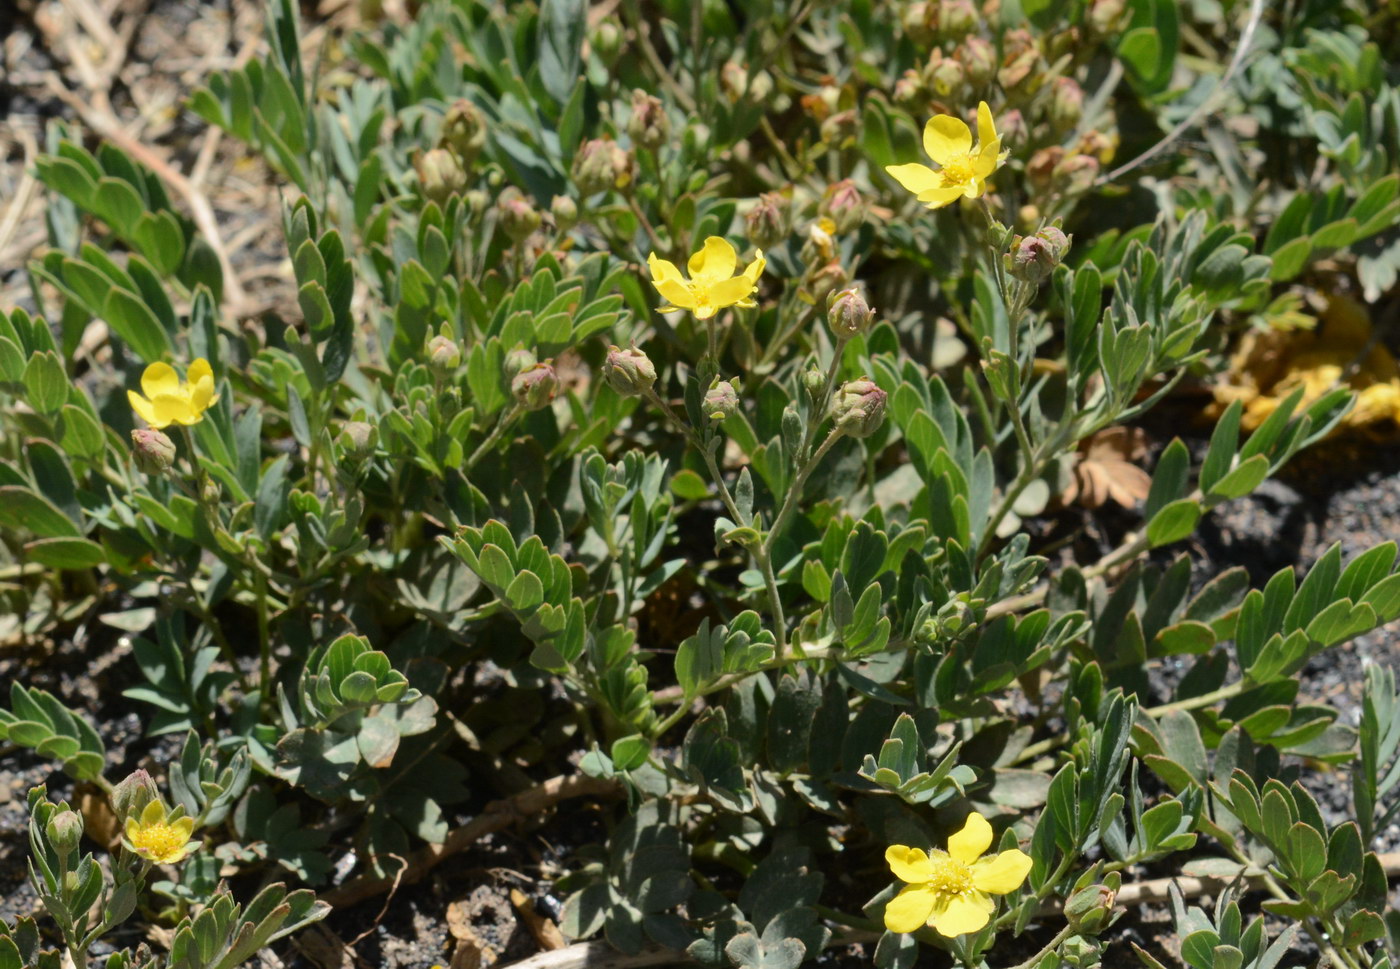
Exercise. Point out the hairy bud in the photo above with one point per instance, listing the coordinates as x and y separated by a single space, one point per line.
767 222
519 218
630 372
1066 104
463 131
602 164
848 314
65 830
842 204
356 440
565 212
535 387
721 400
859 408
440 173
518 361
648 126
153 451
133 793
444 355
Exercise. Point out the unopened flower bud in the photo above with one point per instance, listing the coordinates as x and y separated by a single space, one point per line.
153 451
132 794
956 18
1066 104
1019 57
535 388
979 58
518 361
356 440
440 174
840 126
519 218
859 408
842 204
210 490
1105 17
444 355
909 91
463 131
767 222
65 830
629 372
1032 259
1078 172
1089 908
848 314
917 20
1055 237
606 40
814 381
822 282
648 126
602 164
1041 168
945 76
733 80
721 400
565 212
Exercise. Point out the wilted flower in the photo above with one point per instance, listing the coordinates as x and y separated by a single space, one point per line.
962 171
1078 173
535 387
463 131
159 836
842 204
153 451
712 285
441 174
1019 57
767 222
1099 145
602 164
821 242
951 891
648 126
630 372
859 407
848 314
169 400
721 400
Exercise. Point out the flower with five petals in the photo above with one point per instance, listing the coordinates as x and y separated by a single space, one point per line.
712 284
962 171
170 400
951 891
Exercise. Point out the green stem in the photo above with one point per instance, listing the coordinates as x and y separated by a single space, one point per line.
1049 947
795 489
506 418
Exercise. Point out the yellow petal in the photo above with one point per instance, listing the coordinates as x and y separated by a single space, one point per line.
132 829
1001 873
152 813
989 159
729 291
715 261
961 915
946 137
663 269
914 177
160 378
755 268
185 826
939 203
986 127
675 292
199 369
144 409
909 864
974 188
172 409
910 909
972 841
938 197
704 311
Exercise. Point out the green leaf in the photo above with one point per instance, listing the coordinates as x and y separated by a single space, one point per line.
21 508
45 383
1243 479
1174 522
66 553
132 320
561 27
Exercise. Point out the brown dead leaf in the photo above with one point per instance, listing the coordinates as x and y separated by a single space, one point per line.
546 933
1106 469
99 820
471 951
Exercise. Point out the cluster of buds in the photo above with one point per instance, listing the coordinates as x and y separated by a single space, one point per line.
859 407
463 132
1033 258
848 314
602 164
842 204
722 399
534 387
630 372
441 174
153 452
929 22
767 221
519 219
648 126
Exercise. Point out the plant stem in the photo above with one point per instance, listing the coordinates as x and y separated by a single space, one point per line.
795 490
1049 947
507 417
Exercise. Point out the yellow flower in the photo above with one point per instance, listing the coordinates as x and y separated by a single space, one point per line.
169 400
952 890
159 838
712 284
962 170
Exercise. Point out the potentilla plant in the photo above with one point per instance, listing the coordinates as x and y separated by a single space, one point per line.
679 412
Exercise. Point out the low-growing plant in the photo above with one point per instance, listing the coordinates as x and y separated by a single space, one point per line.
646 414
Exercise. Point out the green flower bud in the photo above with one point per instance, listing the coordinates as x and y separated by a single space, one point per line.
535 387
1105 17
1031 260
444 355
356 440
463 131
815 382
859 408
440 173
606 41
602 164
65 830
721 400
133 793
1066 104
629 372
519 218
946 76
518 361
767 222
842 204
979 58
153 451
565 212
848 314
648 126
956 18
837 128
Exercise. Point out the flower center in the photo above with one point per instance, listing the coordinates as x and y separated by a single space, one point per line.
949 876
958 170
158 841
